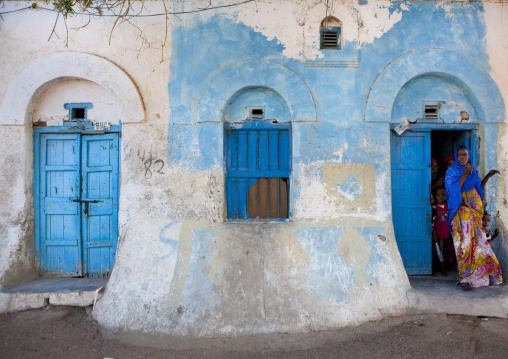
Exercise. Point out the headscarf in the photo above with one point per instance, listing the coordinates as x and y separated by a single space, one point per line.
453 190
446 159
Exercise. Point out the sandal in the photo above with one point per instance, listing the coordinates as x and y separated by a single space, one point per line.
467 287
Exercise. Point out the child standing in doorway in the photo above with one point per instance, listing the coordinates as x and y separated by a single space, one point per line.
440 230
486 222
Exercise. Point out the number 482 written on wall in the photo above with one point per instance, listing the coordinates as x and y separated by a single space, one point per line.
151 164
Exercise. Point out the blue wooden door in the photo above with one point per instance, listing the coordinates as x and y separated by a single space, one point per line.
60 239
100 187
410 155
76 198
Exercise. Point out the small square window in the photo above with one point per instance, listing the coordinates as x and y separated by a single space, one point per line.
78 111
78 114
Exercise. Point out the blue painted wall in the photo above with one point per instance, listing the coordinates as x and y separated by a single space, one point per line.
205 48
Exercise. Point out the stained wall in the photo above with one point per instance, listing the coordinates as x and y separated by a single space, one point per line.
183 270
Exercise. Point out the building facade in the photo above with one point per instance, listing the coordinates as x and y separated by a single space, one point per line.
247 176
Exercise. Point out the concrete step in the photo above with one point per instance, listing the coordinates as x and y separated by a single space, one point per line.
80 292
443 295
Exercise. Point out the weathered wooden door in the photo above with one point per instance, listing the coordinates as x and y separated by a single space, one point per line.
410 155
76 185
99 188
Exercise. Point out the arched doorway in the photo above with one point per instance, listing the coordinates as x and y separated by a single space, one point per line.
24 102
438 99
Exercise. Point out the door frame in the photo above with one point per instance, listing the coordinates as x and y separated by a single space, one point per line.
475 147
68 128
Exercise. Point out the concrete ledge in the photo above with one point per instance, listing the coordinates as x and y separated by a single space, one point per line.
491 307
15 302
78 292
442 295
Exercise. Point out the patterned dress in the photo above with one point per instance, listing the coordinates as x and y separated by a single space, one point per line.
477 263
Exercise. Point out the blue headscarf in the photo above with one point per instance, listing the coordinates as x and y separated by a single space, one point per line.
453 190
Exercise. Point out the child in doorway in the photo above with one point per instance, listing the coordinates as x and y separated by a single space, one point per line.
486 222
440 230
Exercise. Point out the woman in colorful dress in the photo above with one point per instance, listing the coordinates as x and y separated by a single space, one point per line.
477 264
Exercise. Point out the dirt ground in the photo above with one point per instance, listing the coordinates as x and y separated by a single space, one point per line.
62 332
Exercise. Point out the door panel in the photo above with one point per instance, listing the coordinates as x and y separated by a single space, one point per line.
59 218
100 183
410 155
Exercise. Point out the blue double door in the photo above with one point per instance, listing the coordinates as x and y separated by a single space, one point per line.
76 203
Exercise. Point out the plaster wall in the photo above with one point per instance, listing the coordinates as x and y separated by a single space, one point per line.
180 268
49 107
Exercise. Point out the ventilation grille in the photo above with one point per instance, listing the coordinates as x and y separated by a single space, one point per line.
431 112
256 113
329 39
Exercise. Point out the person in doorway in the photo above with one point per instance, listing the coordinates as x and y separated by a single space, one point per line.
441 232
440 177
433 168
436 181
448 161
486 223
477 264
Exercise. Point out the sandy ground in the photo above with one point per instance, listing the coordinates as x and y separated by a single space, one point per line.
61 332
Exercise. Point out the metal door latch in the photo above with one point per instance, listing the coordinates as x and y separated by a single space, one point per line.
86 202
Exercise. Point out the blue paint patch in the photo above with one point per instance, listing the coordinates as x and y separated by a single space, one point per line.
329 276
379 257
199 288
167 234
214 57
450 96
350 188
491 162
426 26
269 101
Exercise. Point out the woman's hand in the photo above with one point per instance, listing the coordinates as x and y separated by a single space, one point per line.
468 170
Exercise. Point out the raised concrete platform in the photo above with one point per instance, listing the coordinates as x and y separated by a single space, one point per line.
80 292
442 295
428 295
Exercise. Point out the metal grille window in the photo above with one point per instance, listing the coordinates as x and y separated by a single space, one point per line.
330 38
431 112
431 109
258 168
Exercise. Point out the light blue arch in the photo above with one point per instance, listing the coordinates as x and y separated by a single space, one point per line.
256 73
476 81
